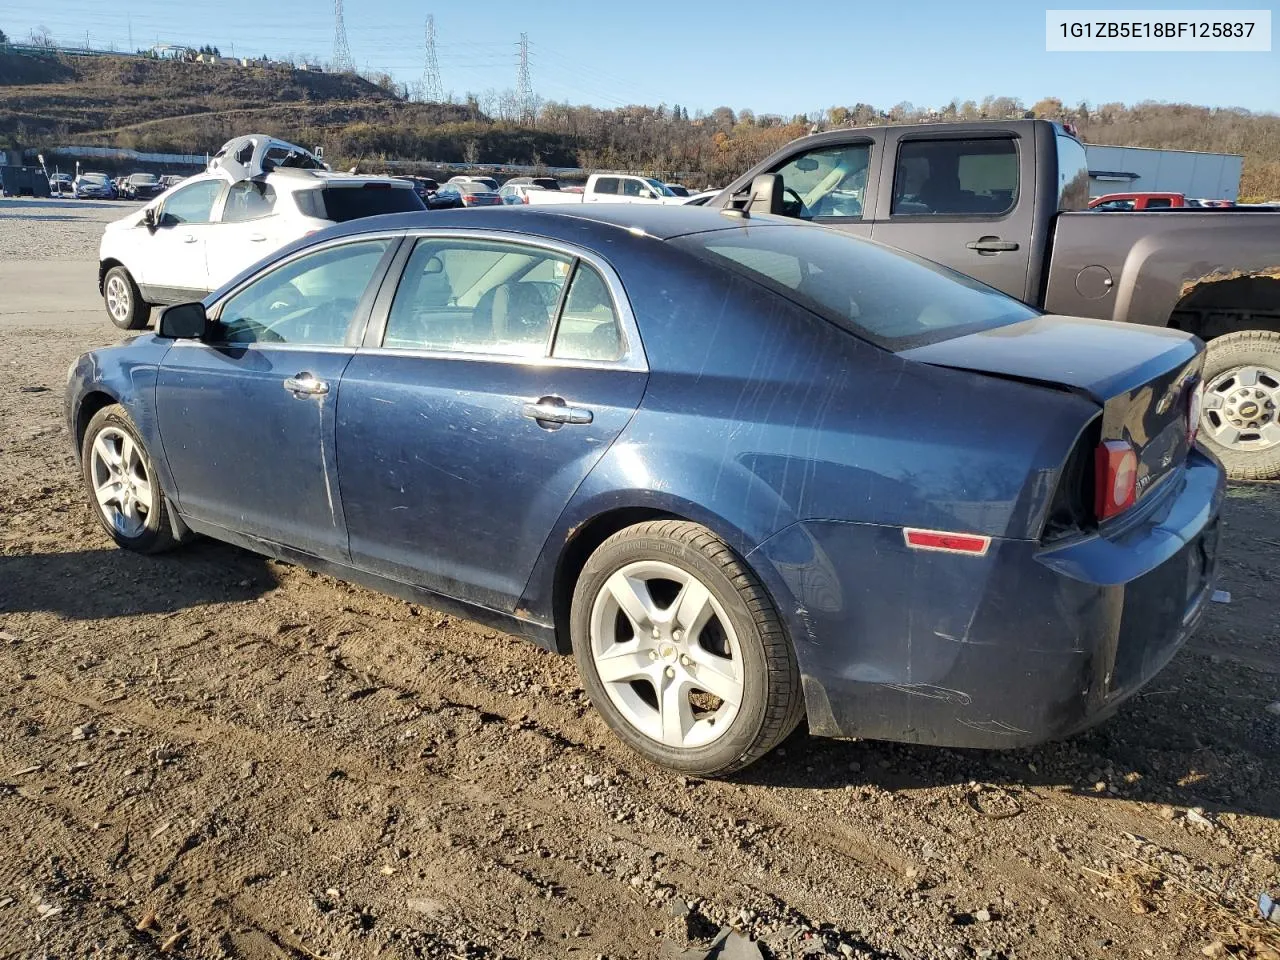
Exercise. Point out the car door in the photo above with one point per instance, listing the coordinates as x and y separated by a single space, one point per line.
492 380
247 420
247 230
173 266
964 199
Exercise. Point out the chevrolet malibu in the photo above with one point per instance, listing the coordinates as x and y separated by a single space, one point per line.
747 471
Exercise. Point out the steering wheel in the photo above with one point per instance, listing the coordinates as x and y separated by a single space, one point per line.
790 209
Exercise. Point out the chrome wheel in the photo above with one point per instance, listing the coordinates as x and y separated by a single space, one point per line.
1242 408
121 484
119 299
667 654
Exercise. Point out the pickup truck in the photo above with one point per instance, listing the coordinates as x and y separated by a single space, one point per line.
1006 203
1152 201
611 188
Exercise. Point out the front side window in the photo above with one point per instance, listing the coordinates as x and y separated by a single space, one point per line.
888 297
588 327
193 204
248 200
477 296
973 177
632 188
826 182
310 300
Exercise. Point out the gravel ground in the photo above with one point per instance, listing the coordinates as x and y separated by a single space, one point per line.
55 229
208 754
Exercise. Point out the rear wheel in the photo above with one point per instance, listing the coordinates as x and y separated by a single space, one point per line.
681 650
1240 418
125 305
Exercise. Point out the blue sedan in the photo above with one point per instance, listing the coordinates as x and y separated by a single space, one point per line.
747 471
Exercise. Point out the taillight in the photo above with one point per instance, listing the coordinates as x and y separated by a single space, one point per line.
1116 470
1195 403
524 198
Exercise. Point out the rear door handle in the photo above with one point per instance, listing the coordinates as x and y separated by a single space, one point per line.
306 385
989 245
188 238
257 237
547 410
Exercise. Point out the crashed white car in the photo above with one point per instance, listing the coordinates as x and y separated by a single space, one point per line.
258 195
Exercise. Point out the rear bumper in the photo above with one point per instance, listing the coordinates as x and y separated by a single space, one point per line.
1022 645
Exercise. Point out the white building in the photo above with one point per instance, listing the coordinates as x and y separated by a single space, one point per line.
1208 176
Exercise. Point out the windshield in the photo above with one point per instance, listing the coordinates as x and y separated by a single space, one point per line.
659 187
143 178
93 176
891 298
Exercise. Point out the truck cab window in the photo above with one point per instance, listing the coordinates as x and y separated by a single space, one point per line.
826 182
965 178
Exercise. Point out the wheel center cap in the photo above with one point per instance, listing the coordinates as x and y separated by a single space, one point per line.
1248 409
668 653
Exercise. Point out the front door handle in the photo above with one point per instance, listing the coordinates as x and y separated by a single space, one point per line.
257 237
989 245
306 385
553 410
188 238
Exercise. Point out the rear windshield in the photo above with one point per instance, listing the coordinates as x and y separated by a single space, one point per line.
891 298
143 178
341 204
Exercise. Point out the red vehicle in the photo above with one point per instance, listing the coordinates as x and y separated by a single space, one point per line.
1151 201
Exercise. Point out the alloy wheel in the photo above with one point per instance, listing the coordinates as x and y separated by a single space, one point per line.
118 298
667 654
121 483
1242 408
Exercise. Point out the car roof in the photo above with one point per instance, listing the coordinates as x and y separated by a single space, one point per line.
585 224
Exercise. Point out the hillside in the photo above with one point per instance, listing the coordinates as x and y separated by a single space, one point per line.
174 107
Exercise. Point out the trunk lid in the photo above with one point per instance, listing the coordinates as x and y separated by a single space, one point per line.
1143 378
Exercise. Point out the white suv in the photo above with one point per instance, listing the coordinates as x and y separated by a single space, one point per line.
195 237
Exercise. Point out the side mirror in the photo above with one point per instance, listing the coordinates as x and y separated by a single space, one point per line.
184 321
648 195
149 218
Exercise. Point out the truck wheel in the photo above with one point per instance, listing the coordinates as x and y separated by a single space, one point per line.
681 650
125 305
1240 419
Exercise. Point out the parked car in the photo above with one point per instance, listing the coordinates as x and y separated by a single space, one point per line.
677 189
701 198
489 182
141 186
198 236
94 186
170 180
60 185
1152 201
961 521
518 192
470 193
612 188
546 183
428 191
1005 202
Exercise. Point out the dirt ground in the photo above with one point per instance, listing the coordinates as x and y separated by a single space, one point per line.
207 754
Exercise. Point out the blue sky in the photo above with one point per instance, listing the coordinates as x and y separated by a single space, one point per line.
771 57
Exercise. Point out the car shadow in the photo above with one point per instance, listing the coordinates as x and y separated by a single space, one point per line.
102 583
1199 736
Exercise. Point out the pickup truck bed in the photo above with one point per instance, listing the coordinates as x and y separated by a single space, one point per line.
1006 203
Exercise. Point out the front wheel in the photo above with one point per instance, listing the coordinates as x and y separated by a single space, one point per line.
125 305
124 493
1240 418
681 650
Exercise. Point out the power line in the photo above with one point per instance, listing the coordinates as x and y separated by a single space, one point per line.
432 85
342 61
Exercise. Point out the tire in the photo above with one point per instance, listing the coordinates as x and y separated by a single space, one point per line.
114 459
1240 419
691 578
125 306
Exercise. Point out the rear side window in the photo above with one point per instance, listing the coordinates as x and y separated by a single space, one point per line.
588 328
977 177
341 204
606 185
248 200
1073 174
891 298
1155 202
